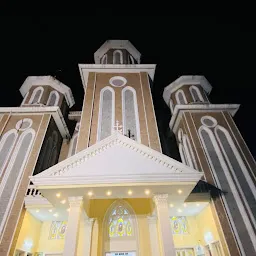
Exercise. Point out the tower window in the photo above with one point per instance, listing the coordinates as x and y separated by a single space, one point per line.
36 95
117 57
130 113
180 97
117 81
53 99
106 113
196 94
131 59
104 59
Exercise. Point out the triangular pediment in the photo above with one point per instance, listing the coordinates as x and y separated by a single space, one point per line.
116 159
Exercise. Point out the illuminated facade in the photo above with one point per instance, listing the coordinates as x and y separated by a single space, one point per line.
96 183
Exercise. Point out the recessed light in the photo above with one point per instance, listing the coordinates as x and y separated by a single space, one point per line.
58 194
179 210
129 192
56 214
68 210
50 210
90 193
185 205
197 204
37 210
63 201
180 191
171 205
109 193
147 191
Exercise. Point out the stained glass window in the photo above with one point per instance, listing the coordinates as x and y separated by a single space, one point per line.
120 223
179 225
58 229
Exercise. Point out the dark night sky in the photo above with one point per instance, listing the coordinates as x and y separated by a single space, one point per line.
223 52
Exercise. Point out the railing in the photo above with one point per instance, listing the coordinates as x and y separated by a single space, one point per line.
32 191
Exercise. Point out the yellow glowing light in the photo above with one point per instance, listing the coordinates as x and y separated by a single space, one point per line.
90 193
197 204
171 205
58 194
147 191
129 192
50 210
63 201
109 193
180 191
68 210
56 214
37 210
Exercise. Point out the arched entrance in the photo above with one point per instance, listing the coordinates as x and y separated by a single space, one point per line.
120 230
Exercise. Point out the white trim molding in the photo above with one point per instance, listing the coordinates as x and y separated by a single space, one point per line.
180 91
50 81
183 80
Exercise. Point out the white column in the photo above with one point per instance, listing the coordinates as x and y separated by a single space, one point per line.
88 237
164 226
152 224
71 237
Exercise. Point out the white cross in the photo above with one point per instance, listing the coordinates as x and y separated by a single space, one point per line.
118 128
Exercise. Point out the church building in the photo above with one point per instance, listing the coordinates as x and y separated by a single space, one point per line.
96 182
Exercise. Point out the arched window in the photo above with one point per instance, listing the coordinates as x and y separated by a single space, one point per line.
182 154
180 97
120 224
73 143
104 59
13 174
131 123
117 57
131 59
53 99
6 146
106 113
196 94
36 95
189 152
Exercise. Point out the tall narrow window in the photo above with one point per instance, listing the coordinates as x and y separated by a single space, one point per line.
196 94
106 113
104 59
13 174
36 95
131 125
117 57
53 99
180 97
73 143
131 59
189 152
6 146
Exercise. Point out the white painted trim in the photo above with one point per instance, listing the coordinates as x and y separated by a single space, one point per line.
182 154
56 100
210 118
71 145
185 80
116 44
131 59
171 105
160 146
188 147
183 95
188 153
19 123
48 81
2 141
40 88
199 108
135 110
85 69
232 187
145 113
100 110
24 99
197 91
242 166
74 114
104 59
121 57
8 170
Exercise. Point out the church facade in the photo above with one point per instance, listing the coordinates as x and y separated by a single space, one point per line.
95 182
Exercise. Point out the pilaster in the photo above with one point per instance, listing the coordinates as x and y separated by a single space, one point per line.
154 241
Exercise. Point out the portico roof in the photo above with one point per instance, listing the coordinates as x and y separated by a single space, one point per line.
116 160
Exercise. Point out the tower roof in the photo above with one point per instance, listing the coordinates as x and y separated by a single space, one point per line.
51 81
116 44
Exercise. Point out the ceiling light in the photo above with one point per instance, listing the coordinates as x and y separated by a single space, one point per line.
50 210
56 214
68 210
197 204
58 194
129 192
63 201
179 210
147 191
90 193
185 205
109 193
171 205
179 191
37 210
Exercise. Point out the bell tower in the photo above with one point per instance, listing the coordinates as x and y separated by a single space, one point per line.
118 96
210 142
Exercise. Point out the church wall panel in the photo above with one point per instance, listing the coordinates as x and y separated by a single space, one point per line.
3 123
64 150
40 124
83 137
